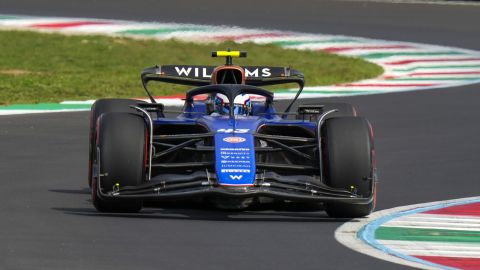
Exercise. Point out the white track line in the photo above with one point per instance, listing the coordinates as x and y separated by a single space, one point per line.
423 248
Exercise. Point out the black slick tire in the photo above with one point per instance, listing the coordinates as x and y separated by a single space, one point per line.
121 147
348 163
100 107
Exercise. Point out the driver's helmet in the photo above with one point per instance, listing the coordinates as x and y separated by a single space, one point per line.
242 104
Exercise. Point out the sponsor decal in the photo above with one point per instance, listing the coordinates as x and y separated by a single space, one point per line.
255 72
235 170
235 158
236 161
197 72
231 130
234 139
205 72
236 177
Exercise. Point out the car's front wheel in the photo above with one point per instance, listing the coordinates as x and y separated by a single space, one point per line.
100 107
121 148
349 163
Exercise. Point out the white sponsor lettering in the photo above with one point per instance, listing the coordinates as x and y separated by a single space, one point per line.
205 75
203 72
236 177
235 171
197 72
231 130
266 72
255 73
249 73
183 70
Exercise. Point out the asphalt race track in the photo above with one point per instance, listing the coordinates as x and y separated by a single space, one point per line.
427 144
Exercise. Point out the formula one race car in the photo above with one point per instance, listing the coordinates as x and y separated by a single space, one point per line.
229 146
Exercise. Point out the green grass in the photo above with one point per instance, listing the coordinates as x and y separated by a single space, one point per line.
38 67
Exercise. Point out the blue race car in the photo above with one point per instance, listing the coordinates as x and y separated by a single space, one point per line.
229 146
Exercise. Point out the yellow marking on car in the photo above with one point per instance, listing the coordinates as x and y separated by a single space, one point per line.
229 54
225 53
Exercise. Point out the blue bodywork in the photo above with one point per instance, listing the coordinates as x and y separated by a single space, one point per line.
234 141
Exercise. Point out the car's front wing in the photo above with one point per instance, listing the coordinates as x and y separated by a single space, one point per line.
297 188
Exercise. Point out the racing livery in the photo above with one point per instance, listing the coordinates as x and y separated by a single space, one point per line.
229 145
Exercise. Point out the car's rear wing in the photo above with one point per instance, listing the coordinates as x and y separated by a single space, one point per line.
201 75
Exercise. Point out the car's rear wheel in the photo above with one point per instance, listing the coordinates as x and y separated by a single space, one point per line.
121 154
349 163
100 107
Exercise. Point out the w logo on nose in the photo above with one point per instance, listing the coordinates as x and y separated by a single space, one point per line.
236 177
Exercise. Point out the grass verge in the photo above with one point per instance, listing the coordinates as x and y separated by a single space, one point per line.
39 67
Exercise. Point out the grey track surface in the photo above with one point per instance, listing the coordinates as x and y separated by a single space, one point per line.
427 147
